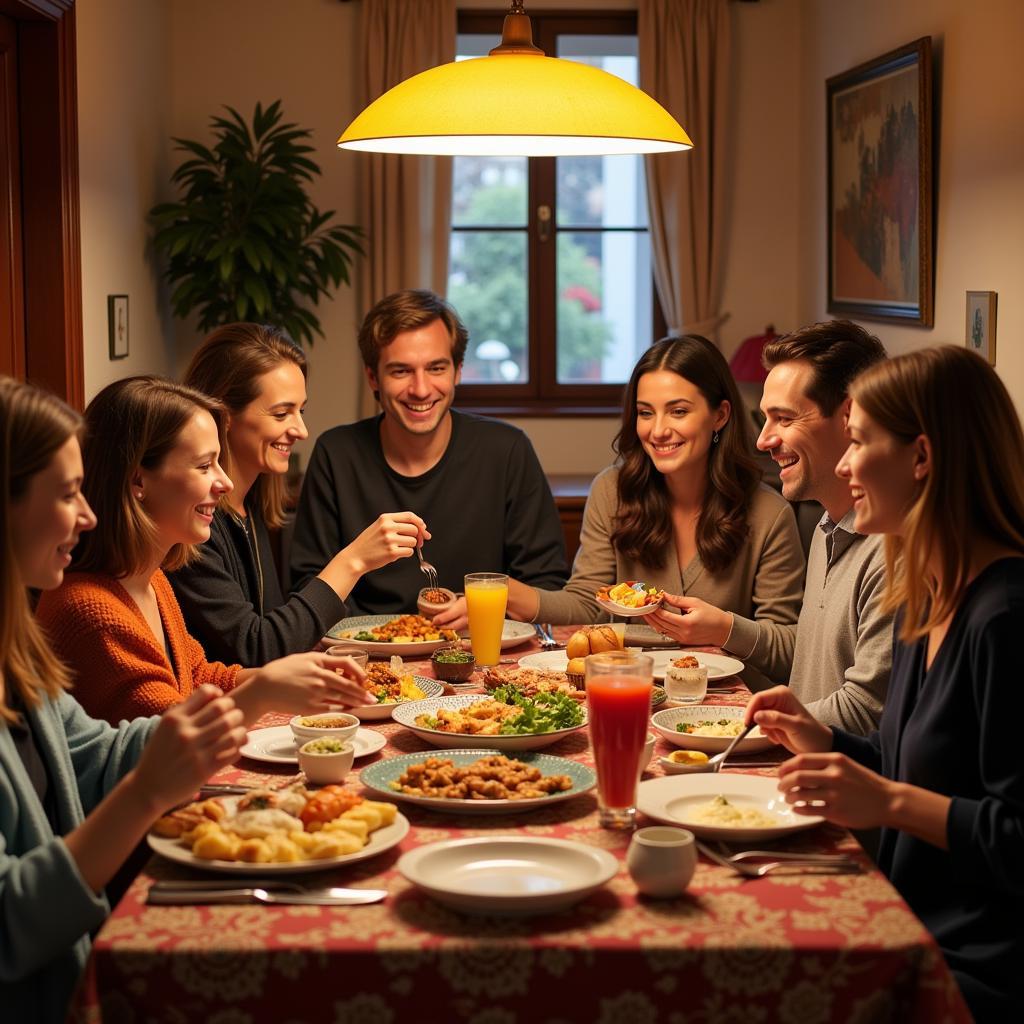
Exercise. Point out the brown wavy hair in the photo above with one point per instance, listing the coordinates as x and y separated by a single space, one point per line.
227 366
33 426
131 424
975 485
643 523
406 311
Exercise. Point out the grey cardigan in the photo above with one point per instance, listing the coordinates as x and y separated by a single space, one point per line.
762 588
46 908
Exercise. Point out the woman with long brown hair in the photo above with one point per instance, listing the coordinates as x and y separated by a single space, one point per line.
230 595
152 473
76 794
936 463
683 509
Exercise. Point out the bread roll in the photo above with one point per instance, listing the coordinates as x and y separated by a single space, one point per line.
603 638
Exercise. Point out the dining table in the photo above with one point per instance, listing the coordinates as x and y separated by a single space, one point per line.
794 948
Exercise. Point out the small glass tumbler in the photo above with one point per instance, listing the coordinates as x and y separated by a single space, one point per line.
661 860
619 685
686 685
357 654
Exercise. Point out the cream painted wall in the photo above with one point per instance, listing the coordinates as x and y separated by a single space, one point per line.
980 168
123 82
305 53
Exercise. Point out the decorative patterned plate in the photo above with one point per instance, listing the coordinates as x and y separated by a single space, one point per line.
665 723
276 745
380 712
673 799
378 778
382 839
406 714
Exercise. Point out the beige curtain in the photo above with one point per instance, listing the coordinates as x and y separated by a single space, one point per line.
684 61
408 198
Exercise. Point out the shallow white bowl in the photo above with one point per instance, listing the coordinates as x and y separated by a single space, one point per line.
665 722
303 733
326 769
508 874
674 768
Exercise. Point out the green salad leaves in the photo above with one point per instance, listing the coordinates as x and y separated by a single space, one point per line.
546 712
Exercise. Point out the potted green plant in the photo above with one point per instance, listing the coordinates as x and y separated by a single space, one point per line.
244 241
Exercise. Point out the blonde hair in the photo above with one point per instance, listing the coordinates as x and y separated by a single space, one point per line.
34 425
975 485
227 366
131 424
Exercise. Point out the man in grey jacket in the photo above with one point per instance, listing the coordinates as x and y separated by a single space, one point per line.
843 648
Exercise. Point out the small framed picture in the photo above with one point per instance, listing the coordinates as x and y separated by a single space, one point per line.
981 324
117 325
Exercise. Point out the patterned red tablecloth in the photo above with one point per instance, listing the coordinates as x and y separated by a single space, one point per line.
799 949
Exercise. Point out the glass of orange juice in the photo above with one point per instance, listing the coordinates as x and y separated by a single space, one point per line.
486 597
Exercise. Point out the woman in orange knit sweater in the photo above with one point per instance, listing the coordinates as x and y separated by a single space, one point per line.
153 477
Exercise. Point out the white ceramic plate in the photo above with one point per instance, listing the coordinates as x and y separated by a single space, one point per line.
625 611
512 635
276 745
664 722
380 840
406 714
508 874
719 666
378 777
672 800
358 623
380 712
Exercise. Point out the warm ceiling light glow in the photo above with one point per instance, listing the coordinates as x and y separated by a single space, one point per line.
515 102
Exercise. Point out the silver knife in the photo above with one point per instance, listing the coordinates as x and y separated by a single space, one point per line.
217 892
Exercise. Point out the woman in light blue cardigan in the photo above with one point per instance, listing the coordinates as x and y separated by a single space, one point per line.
76 795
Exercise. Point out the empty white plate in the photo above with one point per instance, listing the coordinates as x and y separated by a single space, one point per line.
508 874
276 745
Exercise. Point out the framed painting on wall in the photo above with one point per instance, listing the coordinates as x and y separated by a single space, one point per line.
880 187
981 324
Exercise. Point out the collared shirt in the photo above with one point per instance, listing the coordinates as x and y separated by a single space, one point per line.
844 643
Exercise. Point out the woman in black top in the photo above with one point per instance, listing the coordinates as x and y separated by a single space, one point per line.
936 462
231 596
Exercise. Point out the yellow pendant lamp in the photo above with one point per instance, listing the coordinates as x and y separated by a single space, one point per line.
515 102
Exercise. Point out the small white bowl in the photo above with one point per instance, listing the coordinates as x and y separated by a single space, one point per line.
648 753
674 768
325 769
344 730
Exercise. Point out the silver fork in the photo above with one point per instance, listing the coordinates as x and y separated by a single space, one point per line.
427 569
825 863
544 635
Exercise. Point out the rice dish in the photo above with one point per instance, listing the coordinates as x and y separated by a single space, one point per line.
726 815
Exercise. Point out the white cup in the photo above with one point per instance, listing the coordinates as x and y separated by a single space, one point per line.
661 860
686 685
647 753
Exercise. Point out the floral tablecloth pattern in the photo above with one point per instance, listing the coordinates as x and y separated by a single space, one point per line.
797 949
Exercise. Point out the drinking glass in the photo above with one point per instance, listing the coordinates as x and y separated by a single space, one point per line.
619 687
486 598
358 656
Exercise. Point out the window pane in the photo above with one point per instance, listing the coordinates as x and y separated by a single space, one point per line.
604 305
487 286
489 191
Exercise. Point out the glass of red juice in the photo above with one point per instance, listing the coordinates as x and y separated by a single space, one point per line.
619 706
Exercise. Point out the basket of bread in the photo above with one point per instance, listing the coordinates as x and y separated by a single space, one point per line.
589 640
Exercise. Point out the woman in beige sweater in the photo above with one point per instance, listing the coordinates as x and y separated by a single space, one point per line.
683 509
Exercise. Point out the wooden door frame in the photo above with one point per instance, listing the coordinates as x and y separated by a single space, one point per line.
52 260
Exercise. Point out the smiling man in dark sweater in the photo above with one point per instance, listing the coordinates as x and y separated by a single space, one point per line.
476 482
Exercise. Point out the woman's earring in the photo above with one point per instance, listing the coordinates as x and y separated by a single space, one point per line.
714 437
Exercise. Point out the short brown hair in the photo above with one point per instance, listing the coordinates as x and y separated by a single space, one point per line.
33 425
131 424
838 350
227 366
976 482
406 311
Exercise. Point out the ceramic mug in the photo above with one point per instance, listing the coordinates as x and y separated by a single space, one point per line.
661 860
